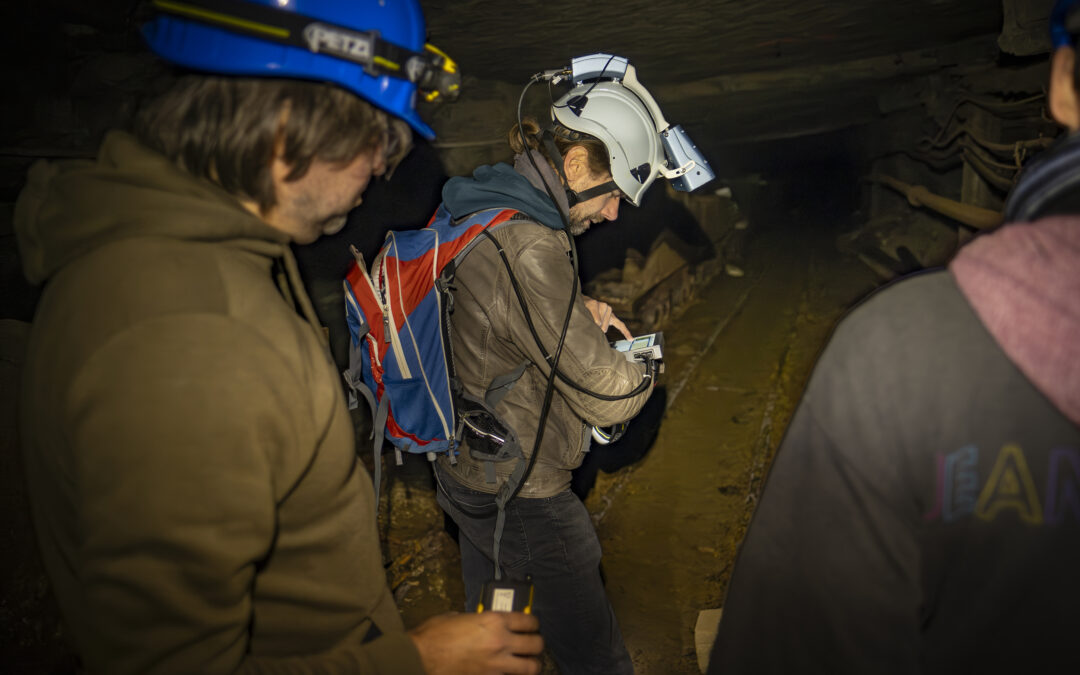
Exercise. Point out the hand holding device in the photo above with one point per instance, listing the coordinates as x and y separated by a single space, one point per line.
648 349
644 348
491 642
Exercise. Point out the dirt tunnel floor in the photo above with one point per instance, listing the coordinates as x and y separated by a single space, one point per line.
670 523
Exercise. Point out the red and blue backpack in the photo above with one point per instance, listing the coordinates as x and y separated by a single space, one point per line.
400 355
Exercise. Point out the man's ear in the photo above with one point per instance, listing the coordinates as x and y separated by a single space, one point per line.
279 170
576 163
1064 106
277 153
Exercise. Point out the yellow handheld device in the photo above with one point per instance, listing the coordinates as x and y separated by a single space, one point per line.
506 596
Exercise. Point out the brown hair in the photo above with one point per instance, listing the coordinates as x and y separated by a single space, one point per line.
225 129
599 163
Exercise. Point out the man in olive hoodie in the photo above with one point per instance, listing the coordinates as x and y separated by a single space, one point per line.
189 456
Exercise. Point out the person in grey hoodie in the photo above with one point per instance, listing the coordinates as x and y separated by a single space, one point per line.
923 511
190 460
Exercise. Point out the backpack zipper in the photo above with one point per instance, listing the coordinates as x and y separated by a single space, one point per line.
448 430
374 293
390 328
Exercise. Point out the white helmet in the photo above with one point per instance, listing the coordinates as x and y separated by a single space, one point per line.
609 104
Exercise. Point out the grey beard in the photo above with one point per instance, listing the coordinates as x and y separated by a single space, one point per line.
578 228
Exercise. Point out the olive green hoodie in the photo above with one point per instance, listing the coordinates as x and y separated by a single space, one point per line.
188 453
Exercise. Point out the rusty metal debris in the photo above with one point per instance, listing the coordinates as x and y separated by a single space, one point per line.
650 287
918 195
654 285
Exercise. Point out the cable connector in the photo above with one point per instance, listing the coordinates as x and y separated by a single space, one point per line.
553 76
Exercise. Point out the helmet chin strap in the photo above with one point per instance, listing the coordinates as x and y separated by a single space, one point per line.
573 197
599 190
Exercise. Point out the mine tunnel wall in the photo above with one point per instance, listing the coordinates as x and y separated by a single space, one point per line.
962 134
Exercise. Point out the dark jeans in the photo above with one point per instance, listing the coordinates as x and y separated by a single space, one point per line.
553 541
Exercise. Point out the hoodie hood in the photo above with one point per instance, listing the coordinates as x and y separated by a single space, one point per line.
1023 281
1048 185
69 208
503 186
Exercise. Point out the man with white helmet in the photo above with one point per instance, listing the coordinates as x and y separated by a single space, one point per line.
517 309
189 456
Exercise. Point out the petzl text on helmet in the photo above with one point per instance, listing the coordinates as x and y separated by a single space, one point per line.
433 72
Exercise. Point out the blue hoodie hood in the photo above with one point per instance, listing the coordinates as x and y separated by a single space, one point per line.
499 186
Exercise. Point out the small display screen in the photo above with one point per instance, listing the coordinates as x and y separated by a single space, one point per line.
502 600
641 342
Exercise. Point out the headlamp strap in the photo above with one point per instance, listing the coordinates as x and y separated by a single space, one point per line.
430 70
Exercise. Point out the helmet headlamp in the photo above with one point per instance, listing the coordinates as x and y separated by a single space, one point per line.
347 46
1064 23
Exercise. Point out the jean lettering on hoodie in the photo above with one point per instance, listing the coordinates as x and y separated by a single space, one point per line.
1009 489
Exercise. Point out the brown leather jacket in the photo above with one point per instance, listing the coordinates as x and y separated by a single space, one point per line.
490 338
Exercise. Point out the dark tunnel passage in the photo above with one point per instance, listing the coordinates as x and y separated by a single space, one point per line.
852 147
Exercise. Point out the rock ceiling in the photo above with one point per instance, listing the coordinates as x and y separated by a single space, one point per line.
731 70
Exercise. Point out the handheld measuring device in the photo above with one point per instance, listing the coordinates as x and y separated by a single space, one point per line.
506 595
643 348
647 349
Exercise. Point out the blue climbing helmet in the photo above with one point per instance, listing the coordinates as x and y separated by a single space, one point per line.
372 48
1064 23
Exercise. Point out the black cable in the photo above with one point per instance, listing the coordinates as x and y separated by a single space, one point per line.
573 291
554 359
550 390
550 387
646 383
573 256
585 95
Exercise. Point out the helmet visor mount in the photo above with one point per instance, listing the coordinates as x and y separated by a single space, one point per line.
693 171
